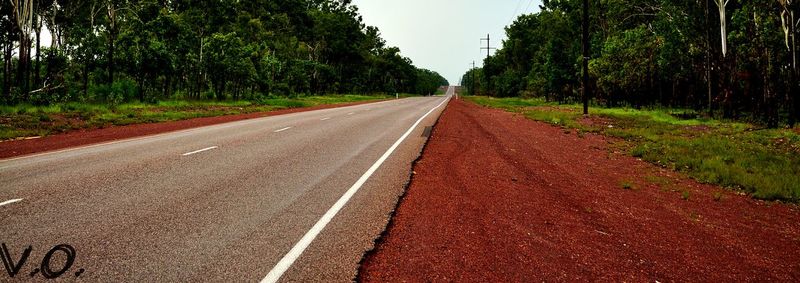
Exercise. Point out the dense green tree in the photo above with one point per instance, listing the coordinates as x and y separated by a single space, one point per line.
118 50
735 58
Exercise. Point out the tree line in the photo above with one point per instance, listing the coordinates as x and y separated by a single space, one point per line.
728 58
125 50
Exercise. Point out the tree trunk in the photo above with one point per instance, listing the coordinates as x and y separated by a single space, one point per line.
167 84
140 82
585 51
726 68
794 100
708 60
726 71
764 102
86 78
36 75
789 30
7 70
110 67
28 67
200 74
721 4
22 67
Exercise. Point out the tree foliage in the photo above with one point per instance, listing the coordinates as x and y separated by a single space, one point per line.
197 49
732 58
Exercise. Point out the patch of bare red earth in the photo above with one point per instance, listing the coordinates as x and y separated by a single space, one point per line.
497 197
82 137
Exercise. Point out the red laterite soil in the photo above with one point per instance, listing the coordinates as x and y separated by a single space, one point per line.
497 197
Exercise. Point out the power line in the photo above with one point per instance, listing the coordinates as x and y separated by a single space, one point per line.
529 6
515 15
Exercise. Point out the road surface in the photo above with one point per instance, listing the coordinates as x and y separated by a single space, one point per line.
229 202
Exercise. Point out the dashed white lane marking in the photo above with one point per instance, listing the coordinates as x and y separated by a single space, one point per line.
304 242
200 150
281 130
10 201
326 118
351 113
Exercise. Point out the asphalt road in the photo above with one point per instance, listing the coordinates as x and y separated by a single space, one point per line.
219 203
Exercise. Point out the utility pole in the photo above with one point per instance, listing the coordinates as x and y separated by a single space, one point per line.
585 44
488 46
472 71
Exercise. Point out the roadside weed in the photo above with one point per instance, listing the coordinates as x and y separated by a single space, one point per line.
627 185
685 195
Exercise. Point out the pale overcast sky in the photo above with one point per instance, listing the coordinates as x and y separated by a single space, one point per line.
443 35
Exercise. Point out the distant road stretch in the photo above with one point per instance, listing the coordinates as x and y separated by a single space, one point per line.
296 197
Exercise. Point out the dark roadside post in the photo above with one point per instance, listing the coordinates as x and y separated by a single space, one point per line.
585 88
488 52
472 88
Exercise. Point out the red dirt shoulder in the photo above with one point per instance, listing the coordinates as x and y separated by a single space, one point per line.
497 197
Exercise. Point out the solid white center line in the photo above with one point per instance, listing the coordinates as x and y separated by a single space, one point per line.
10 201
199 150
304 242
281 130
326 118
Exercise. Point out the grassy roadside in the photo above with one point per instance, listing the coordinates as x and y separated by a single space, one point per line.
26 120
762 162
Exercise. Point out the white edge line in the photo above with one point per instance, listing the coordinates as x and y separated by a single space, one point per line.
10 201
275 274
281 130
326 118
200 150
